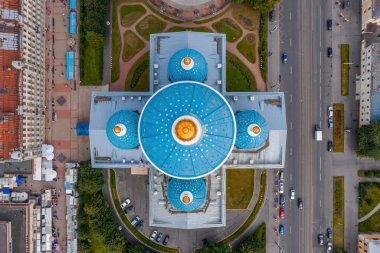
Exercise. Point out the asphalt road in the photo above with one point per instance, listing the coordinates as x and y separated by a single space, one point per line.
304 37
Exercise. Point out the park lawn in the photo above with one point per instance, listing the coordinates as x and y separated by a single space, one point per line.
138 76
93 66
230 28
194 29
129 14
97 245
116 43
345 68
369 194
338 213
239 77
239 187
246 16
150 24
247 47
371 225
338 129
132 45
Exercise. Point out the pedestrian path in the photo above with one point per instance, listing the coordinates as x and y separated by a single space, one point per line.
368 215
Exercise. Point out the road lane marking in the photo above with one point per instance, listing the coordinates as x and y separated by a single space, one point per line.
320 75
291 98
291 125
290 16
291 151
290 42
291 70
320 177
320 58
320 203
290 229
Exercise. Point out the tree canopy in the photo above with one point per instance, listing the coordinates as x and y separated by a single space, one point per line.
369 140
261 5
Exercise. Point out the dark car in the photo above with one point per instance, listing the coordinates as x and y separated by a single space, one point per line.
166 240
329 52
329 24
320 239
282 200
284 58
139 225
129 209
329 146
159 237
300 203
329 233
271 15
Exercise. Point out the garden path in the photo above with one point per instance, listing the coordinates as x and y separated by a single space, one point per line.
368 215
125 67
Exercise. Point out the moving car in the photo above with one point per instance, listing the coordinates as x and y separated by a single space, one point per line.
281 229
153 235
329 233
330 111
139 225
329 24
292 193
284 58
329 247
166 240
300 203
282 213
125 203
320 239
330 123
329 146
329 52
135 220
281 187
159 237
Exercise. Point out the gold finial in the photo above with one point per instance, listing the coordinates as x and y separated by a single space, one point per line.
186 130
187 61
255 129
186 199
117 129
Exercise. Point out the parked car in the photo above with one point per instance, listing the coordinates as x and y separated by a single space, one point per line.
281 187
282 213
125 203
329 233
329 52
139 225
292 194
135 220
281 176
271 15
320 239
329 247
329 146
300 203
281 229
166 240
130 208
159 237
330 123
284 58
329 24
282 200
330 111
153 235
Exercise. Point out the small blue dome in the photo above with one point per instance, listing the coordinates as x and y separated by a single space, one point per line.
187 65
186 195
122 129
252 130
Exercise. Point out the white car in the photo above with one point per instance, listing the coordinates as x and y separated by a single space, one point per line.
281 187
292 194
125 203
153 235
329 247
330 111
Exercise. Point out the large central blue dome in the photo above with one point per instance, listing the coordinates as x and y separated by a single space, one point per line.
187 64
121 129
186 195
187 130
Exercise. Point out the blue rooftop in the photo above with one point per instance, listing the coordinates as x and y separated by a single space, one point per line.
179 110
121 129
252 130
186 195
187 64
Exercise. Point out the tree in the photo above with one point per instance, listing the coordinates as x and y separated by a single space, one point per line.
369 140
260 5
217 248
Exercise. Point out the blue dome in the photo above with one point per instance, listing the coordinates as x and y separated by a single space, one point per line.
122 129
195 69
186 195
198 109
252 130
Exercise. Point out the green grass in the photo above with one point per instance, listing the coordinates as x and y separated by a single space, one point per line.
369 194
149 25
239 77
230 28
246 16
338 213
239 185
372 224
255 211
116 43
97 245
194 29
138 76
369 173
129 14
125 220
92 66
361 173
247 47
132 45
345 68
338 129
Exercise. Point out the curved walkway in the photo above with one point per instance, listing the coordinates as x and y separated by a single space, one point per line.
119 85
368 215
